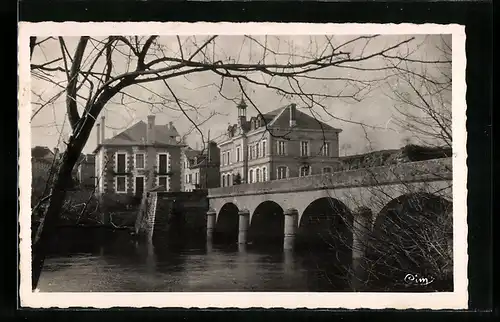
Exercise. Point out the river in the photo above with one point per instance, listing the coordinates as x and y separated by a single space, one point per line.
96 261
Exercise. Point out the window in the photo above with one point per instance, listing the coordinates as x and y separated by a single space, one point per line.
281 172
264 174
190 178
121 163
238 154
326 149
264 151
228 180
257 148
163 181
281 147
196 178
139 161
327 170
121 184
305 170
249 150
222 179
257 175
162 163
304 148
139 185
250 176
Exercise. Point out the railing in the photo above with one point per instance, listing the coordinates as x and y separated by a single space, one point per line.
429 170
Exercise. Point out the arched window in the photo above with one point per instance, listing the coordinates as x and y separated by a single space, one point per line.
327 170
305 170
250 176
232 179
227 180
264 174
223 180
281 172
257 175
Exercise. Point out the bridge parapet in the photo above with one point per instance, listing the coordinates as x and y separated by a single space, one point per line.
429 170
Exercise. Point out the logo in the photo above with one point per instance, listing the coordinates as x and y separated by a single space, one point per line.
415 279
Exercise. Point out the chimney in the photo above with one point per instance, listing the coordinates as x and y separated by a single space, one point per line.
293 121
212 151
150 132
103 126
170 125
98 127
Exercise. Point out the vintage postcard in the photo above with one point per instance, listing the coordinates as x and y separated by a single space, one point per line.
242 165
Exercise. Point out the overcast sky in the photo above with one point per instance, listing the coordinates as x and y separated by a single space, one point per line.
375 109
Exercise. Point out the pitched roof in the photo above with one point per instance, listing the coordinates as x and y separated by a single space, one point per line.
280 118
41 152
302 120
191 153
137 133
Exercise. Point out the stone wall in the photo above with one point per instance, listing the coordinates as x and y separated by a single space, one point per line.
146 216
172 212
438 169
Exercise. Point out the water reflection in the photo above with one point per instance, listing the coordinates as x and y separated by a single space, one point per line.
123 264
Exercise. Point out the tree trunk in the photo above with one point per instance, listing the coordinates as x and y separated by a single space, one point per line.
47 228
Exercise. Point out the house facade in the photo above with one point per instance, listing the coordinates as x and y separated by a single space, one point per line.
281 144
200 169
142 157
86 171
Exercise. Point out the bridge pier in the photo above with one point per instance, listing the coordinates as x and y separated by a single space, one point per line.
362 225
291 221
243 226
211 217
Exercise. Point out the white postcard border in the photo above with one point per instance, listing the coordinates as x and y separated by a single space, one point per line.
452 300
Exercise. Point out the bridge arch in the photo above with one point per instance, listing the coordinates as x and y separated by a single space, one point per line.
226 227
326 222
413 234
267 224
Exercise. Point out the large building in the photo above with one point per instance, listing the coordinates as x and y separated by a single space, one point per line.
143 156
281 144
200 169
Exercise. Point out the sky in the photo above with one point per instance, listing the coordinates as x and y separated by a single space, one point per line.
216 110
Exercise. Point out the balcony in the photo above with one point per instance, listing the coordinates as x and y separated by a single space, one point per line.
163 173
119 172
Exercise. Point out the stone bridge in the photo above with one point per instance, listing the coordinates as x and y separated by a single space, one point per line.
373 187
308 209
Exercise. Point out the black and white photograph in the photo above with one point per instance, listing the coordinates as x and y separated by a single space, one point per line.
242 165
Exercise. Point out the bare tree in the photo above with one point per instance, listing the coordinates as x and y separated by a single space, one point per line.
421 90
410 238
101 70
